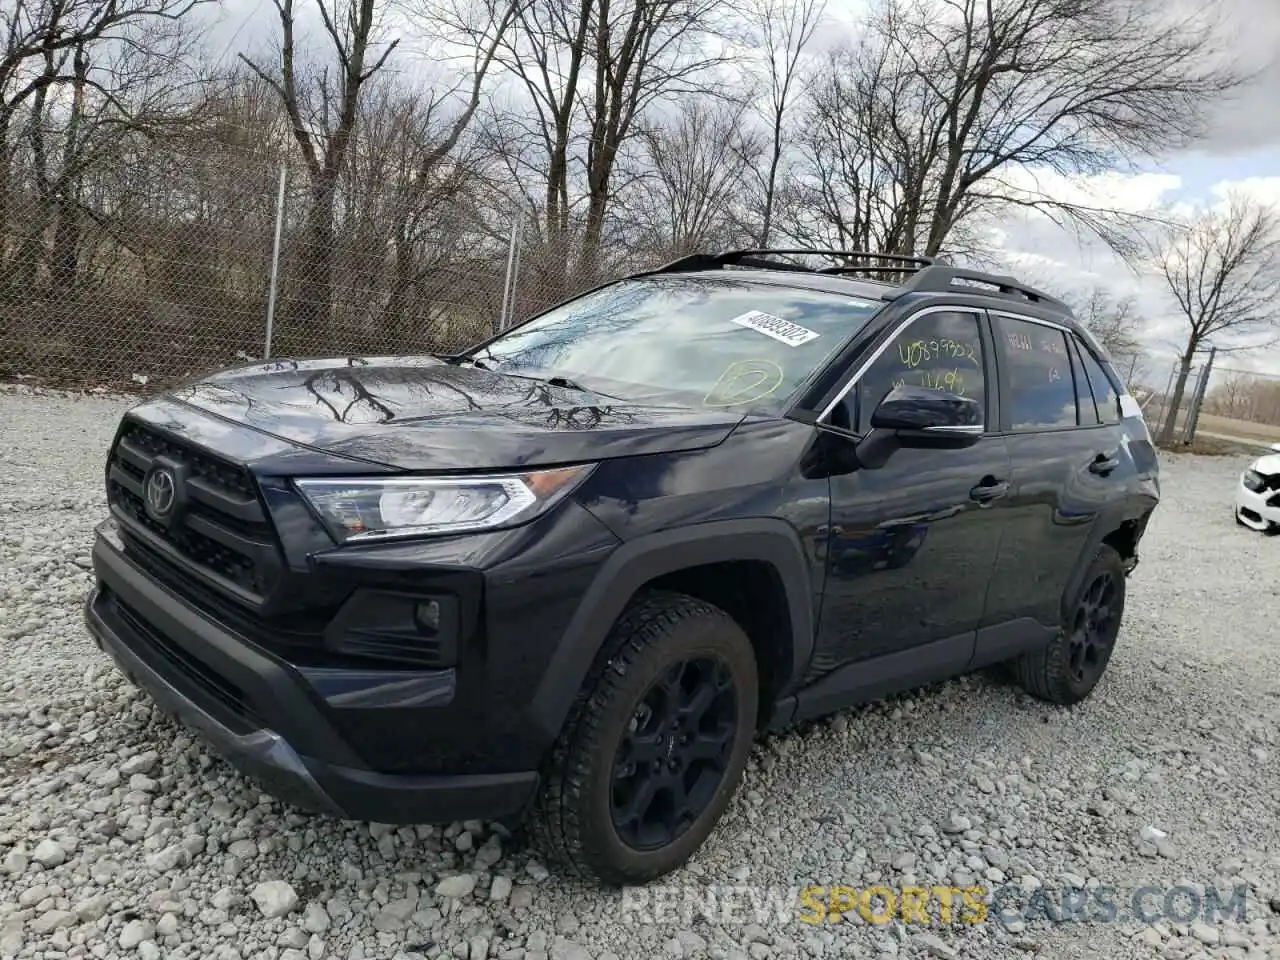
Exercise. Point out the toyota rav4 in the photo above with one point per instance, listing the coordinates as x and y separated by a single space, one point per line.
570 574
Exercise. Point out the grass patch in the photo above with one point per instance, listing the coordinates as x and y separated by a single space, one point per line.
1210 447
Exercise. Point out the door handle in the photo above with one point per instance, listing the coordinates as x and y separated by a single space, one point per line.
1103 464
988 490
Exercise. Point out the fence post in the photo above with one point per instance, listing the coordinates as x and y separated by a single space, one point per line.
515 279
275 262
506 280
1169 410
1193 415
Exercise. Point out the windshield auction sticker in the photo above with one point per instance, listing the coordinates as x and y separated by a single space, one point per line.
785 331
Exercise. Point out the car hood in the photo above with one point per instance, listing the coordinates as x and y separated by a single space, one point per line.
1268 465
424 414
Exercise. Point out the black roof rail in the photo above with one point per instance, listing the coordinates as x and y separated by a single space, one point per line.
755 258
927 275
735 256
837 271
940 278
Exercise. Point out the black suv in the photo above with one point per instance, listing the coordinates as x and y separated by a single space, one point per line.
574 571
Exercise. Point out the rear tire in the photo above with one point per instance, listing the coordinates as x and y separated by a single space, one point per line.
1068 668
655 745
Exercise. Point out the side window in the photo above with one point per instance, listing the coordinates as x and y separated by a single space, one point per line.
1041 393
1103 391
940 350
1084 396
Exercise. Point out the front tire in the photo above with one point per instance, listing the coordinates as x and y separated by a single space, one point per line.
655 745
1068 668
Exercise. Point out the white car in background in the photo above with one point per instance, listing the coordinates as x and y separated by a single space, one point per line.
1258 493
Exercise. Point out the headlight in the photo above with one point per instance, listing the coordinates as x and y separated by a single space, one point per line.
1253 480
367 509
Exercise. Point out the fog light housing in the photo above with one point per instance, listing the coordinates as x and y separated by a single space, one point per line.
427 617
400 629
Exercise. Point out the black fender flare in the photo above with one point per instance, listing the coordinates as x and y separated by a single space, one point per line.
638 561
1132 509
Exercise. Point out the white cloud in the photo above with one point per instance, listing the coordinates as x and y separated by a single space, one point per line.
1248 118
1130 193
1264 190
1032 247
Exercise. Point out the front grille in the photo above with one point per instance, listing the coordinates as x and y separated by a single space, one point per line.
222 531
190 672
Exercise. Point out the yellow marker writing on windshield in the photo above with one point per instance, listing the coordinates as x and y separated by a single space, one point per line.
745 381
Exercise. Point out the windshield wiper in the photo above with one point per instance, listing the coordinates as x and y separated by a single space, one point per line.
566 384
459 361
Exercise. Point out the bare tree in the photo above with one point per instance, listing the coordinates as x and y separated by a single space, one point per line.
1263 401
1116 323
1243 395
416 158
849 194
786 27
50 43
592 68
412 214
1223 272
689 184
323 118
1231 397
953 102
481 27
115 91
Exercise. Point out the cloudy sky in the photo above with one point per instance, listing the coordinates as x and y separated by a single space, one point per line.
1240 152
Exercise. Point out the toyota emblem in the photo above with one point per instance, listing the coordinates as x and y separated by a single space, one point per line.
162 492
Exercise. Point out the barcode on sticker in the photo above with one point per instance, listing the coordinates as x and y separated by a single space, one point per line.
789 333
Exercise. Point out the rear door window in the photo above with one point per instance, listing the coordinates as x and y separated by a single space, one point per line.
1088 411
1041 394
1104 392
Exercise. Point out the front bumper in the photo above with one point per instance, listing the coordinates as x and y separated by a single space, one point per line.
217 683
1253 509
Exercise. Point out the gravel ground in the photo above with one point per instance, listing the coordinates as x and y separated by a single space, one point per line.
121 836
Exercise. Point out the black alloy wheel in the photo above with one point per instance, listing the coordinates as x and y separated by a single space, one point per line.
656 743
1093 633
674 753
1068 667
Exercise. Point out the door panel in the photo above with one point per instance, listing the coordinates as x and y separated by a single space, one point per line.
910 551
1060 477
914 541
1051 510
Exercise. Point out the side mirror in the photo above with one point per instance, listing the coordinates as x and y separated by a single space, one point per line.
935 413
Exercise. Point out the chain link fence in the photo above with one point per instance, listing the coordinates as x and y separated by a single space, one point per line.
175 259
1223 403
1175 421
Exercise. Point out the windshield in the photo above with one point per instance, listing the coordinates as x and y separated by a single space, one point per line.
683 341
